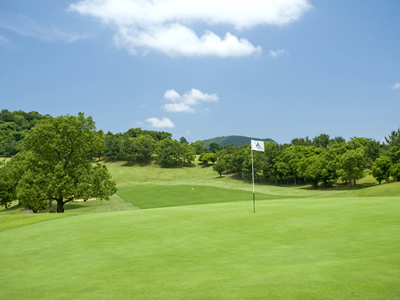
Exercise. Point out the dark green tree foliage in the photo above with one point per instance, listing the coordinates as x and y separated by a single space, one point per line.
382 168
199 146
189 154
56 163
214 147
171 153
207 158
13 128
332 158
7 186
395 171
322 140
220 166
112 146
372 149
353 164
393 143
138 149
301 141
156 135
272 151
183 140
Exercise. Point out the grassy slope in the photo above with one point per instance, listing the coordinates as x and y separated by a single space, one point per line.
309 246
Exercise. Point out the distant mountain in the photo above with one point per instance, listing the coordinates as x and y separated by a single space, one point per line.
237 140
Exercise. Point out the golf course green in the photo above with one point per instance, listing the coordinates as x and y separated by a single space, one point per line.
188 234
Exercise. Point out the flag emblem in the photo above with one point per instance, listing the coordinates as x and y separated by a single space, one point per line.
257 145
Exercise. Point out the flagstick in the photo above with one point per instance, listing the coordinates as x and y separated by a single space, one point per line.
252 169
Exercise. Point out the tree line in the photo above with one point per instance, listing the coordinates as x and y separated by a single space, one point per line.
54 159
314 161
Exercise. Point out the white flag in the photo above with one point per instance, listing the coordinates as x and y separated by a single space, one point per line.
257 145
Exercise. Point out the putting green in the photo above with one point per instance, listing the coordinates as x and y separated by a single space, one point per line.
294 249
153 196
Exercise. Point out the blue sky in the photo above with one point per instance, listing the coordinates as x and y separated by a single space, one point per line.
276 69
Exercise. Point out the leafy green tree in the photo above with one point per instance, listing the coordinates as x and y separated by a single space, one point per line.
170 153
238 159
214 147
353 164
395 171
372 148
146 147
206 158
13 128
301 142
189 154
338 140
219 167
112 145
183 140
332 158
56 163
272 151
129 149
381 168
312 169
322 140
7 187
199 146
134 132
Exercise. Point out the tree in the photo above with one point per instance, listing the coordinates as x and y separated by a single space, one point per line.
56 162
214 147
312 169
322 140
272 151
219 167
170 153
7 188
353 163
301 142
381 168
128 150
205 158
332 158
183 140
395 170
199 146
112 145
189 154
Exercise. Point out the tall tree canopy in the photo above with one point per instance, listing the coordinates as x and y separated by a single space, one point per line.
57 165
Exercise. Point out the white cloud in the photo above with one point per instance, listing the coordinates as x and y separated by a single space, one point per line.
178 107
277 53
184 103
165 26
396 86
157 123
25 26
176 39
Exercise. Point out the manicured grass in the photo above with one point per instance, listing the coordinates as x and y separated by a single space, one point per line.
301 243
153 196
295 249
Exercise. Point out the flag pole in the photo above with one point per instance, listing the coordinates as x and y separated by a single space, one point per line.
252 170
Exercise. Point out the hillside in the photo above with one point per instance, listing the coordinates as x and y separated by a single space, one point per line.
237 140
